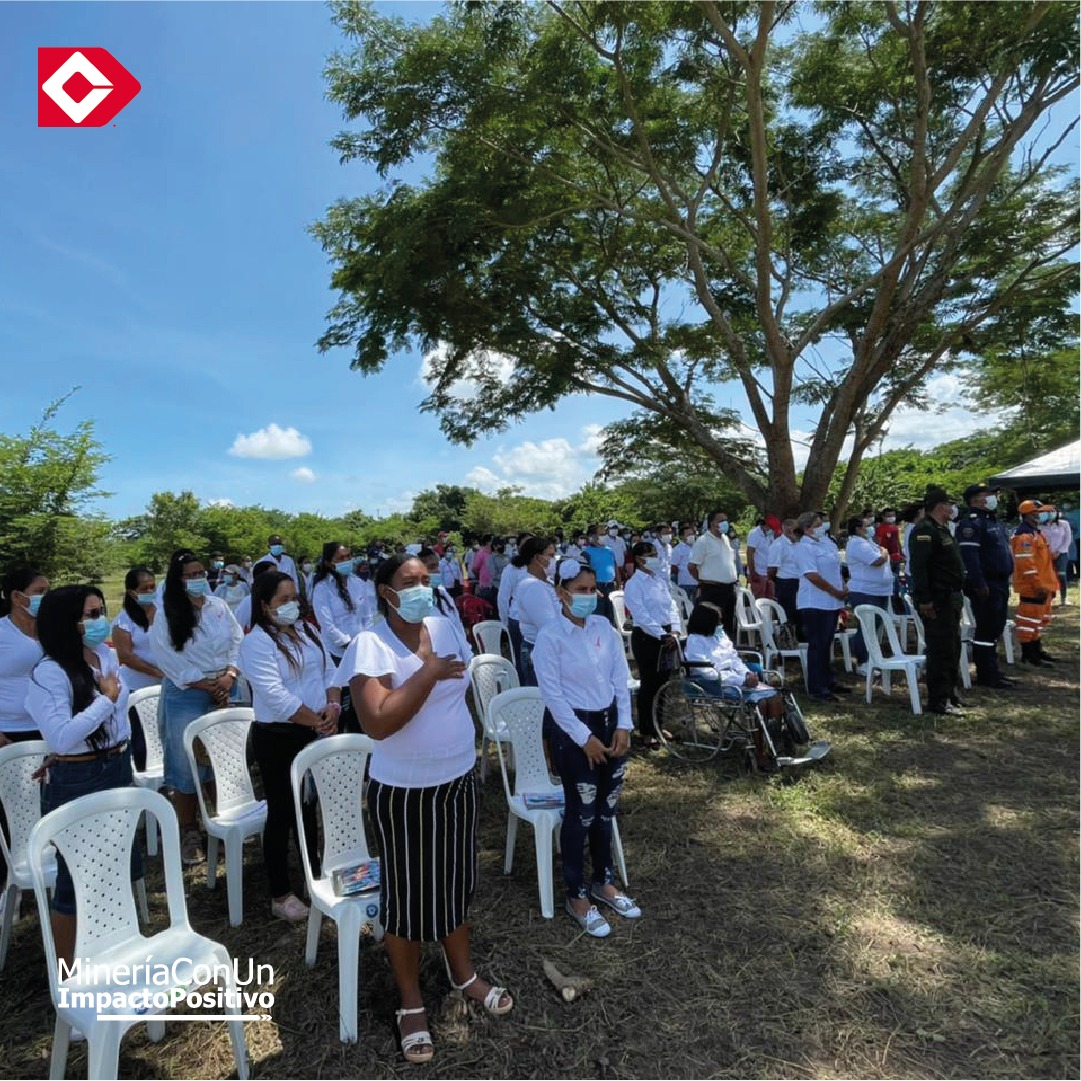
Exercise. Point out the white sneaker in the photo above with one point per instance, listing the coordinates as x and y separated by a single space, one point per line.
592 922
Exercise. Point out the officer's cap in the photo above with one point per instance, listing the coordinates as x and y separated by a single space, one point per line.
978 489
934 496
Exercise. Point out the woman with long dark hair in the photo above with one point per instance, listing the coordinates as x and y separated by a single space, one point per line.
407 675
24 592
196 646
295 701
444 603
79 703
535 602
508 586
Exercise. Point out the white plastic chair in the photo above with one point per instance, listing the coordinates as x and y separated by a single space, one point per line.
490 674
521 712
20 796
619 608
94 834
844 639
489 634
336 766
772 616
146 703
876 623
237 813
682 607
748 619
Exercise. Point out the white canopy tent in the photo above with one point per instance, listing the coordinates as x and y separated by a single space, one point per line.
1054 471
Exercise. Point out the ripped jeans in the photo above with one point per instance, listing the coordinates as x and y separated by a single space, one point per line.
590 799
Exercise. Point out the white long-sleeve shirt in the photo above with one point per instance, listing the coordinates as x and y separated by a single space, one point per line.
213 646
278 690
650 603
1058 536
49 702
582 668
720 654
284 563
508 582
537 605
18 655
338 623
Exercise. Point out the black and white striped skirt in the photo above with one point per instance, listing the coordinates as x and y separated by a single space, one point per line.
427 840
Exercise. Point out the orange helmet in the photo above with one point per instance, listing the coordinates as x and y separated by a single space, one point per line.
1030 506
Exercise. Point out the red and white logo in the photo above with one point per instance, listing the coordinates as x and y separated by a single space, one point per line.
81 88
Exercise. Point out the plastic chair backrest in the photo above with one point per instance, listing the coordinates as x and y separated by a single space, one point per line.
873 622
336 764
521 712
746 613
490 674
224 734
145 703
619 606
917 622
95 834
20 794
767 616
488 634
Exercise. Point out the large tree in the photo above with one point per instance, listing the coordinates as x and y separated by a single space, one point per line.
823 204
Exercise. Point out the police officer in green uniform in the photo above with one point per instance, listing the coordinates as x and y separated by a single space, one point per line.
936 578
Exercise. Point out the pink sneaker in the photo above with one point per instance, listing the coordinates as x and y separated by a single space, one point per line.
292 909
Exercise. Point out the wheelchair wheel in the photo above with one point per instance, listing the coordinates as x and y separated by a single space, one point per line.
689 722
793 720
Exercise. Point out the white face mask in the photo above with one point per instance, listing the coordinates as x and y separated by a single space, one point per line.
953 513
991 503
550 568
889 519
821 530
287 614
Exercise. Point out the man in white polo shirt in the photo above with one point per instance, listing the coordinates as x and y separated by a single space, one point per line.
277 555
712 565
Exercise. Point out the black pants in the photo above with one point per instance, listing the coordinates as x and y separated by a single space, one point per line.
590 796
275 746
819 625
604 605
786 592
347 719
722 594
647 651
990 614
943 635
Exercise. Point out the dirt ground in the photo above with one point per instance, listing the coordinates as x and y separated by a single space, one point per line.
906 909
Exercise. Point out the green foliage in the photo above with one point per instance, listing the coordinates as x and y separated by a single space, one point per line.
48 477
647 201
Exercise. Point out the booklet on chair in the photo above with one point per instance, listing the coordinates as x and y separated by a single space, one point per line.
359 879
542 801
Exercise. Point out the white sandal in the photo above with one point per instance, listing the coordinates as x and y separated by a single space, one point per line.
491 1000
414 1039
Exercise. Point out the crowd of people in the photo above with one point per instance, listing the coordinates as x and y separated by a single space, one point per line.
375 641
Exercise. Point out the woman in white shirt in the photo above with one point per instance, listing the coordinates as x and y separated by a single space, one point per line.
444 603
232 588
820 599
195 641
508 585
582 673
718 669
870 578
450 571
23 593
535 602
295 700
80 705
407 676
651 606
131 640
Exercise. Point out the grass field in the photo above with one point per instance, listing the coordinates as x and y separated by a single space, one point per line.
907 909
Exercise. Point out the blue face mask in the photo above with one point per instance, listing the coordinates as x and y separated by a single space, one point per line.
197 587
276 549
583 604
415 603
145 599
34 603
723 527
95 631
345 567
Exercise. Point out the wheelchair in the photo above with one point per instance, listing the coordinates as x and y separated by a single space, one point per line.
695 726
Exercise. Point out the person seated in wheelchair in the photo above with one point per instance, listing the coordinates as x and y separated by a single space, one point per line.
714 665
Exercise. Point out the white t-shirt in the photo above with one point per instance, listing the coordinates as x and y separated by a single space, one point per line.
537 605
438 744
860 553
141 647
782 555
278 690
618 546
822 557
714 558
681 556
760 540
49 702
213 646
18 655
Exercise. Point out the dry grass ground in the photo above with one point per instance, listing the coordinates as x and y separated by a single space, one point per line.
907 909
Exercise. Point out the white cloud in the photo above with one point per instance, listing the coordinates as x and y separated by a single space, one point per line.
271 442
950 416
220 503
397 504
548 469
483 362
304 474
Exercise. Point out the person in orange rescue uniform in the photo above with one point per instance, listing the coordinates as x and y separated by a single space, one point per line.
1034 578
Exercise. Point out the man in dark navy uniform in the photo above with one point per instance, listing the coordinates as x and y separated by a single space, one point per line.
985 549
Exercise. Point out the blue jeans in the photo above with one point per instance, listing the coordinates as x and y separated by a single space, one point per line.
859 647
180 708
590 797
67 781
526 676
819 625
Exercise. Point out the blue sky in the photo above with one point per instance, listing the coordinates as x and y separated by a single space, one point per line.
164 266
